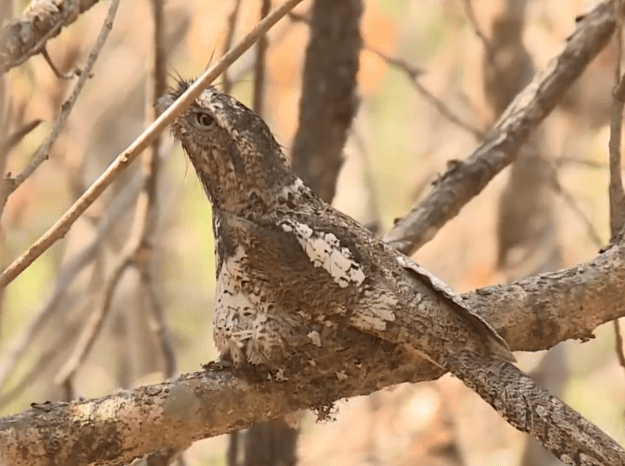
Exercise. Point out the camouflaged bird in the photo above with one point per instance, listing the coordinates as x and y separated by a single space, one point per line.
291 270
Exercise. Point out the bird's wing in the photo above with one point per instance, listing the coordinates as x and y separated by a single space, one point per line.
496 343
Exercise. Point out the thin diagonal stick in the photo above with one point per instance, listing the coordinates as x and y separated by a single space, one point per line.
232 23
62 226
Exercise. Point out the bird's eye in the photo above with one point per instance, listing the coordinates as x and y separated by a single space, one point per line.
204 120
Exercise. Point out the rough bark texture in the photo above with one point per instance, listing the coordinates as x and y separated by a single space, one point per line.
553 374
329 100
527 230
465 179
537 312
533 409
534 313
26 36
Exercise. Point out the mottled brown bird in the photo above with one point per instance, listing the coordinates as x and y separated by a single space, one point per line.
291 270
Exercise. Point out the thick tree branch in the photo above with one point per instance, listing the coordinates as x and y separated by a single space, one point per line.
540 311
27 35
534 313
465 179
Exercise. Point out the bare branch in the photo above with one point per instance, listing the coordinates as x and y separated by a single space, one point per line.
9 141
466 179
94 324
533 313
158 325
58 73
618 344
138 248
413 74
67 107
573 160
27 35
617 195
149 217
232 23
537 312
470 14
62 226
570 201
67 275
261 58
329 101
58 347
15 137
615 189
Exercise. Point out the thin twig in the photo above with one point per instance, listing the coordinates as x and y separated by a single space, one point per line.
616 193
6 145
569 199
16 136
62 226
232 452
490 51
43 361
259 71
232 24
413 74
147 211
159 325
573 160
67 107
619 343
58 73
138 249
6 115
119 206
466 179
94 324
470 14
615 189
246 63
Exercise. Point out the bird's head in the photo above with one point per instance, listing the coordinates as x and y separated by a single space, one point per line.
234 153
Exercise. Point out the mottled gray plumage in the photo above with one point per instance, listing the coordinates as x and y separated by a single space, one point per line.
294 274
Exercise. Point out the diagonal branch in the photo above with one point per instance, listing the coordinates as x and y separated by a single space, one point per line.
43 152
27 35
62 226
413 73
466 179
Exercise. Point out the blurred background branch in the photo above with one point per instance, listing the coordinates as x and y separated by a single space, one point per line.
27 35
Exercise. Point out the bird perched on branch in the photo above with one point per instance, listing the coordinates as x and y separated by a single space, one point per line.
291 270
